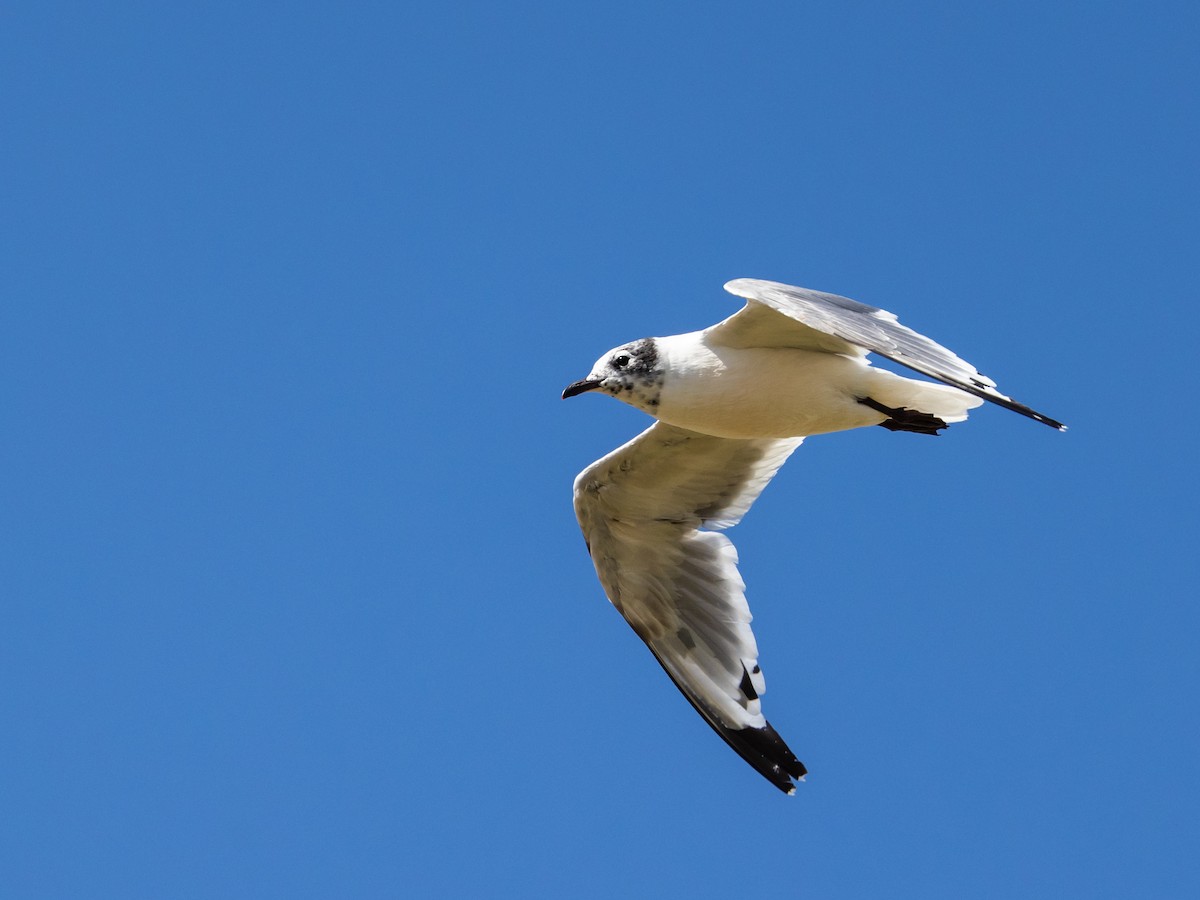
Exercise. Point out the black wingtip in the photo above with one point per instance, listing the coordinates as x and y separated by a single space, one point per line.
985 389
767 752
762 748
988 392
1031 413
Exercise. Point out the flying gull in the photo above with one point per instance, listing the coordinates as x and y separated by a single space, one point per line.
732 402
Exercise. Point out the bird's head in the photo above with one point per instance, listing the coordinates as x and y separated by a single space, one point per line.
632 373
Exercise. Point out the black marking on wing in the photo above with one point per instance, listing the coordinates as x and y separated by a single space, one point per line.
762 748
979 390
746 686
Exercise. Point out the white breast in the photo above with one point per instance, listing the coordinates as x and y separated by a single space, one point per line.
760 392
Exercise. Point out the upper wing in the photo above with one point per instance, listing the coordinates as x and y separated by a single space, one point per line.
641 509
780 315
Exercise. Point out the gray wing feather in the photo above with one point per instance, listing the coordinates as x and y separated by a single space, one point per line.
827 320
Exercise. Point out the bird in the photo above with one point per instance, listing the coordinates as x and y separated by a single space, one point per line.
731 404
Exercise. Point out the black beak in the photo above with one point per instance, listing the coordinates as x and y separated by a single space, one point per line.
580 387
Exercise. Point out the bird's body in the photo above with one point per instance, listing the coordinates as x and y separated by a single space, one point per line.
732 403
777 392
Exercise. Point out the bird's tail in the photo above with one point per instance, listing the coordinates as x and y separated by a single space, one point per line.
946 403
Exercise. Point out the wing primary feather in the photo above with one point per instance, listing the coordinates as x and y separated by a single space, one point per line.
762 748
987 393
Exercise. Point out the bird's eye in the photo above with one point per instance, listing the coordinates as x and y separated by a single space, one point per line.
621 360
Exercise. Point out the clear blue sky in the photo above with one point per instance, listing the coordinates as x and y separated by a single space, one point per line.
294 602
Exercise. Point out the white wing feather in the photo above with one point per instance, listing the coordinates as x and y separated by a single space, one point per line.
642 509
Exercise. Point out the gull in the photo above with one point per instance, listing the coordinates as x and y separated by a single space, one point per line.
732 402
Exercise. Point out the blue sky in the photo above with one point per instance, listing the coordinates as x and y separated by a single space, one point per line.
294 602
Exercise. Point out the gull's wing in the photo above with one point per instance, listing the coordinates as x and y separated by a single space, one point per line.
780 315
642 509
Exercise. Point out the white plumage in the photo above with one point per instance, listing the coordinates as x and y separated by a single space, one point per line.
732 402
